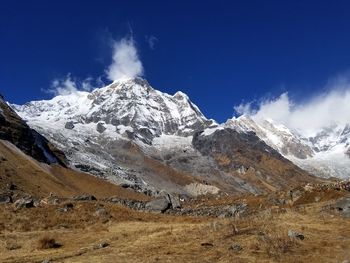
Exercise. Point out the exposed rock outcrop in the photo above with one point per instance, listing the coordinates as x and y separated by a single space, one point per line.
15 130
69 125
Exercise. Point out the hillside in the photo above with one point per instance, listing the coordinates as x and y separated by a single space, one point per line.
322 154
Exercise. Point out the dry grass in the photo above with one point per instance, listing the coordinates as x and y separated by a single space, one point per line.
47 242
144 237
275 244
12 244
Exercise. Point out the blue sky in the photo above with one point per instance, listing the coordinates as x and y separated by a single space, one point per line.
218 52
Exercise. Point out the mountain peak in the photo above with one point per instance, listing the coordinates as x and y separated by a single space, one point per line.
131 81
130 108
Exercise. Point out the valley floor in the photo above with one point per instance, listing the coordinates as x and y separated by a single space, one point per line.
96 231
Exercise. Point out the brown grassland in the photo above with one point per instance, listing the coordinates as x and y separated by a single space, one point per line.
124 235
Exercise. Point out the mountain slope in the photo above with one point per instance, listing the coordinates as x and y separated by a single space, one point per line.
15 130
27 175
30 164
134 135
252 159
324 154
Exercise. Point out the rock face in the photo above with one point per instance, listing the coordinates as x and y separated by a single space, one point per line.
325 153
229 142
159 205
233 150
15 130
277 136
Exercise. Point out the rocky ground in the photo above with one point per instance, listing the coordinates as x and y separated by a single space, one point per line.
308 224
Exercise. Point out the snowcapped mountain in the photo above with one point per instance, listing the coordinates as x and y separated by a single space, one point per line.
325 154
139 137
109 132
130 108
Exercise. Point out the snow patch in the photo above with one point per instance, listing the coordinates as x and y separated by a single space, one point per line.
210 131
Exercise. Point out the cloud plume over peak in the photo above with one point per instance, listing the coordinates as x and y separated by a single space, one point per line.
125 62
308 118
69 85
125 65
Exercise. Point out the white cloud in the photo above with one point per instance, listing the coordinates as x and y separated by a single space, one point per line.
69 85
151 41
126 63
309 117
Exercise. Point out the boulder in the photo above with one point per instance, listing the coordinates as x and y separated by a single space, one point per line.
237 209
101 212
175 201
11 186
62 210
67 207
242 170
69 125
296 194
236 247
101 245
24 203
5 198
278 201
100 128
160 204
343 206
